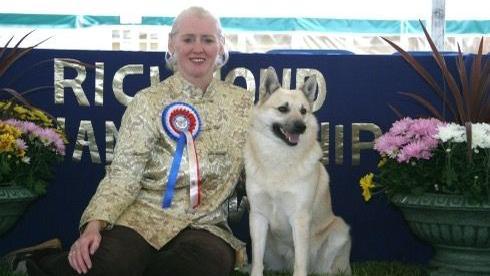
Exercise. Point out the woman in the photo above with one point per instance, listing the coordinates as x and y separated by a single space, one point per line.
125 230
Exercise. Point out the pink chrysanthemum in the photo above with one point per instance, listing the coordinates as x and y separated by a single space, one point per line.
409 138
48 136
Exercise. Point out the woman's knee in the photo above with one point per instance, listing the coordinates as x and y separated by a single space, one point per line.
121 252
205 254
117 263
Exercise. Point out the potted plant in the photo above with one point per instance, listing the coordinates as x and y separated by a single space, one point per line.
437 169
30 144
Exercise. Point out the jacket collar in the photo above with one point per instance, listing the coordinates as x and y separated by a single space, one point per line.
192 91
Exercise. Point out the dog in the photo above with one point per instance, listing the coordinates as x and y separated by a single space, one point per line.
292 225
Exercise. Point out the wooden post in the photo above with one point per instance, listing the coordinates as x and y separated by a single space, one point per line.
438 23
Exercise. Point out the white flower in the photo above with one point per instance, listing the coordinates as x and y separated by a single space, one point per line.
451 133
480 135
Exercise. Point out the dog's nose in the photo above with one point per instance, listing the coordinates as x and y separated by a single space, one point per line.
299 127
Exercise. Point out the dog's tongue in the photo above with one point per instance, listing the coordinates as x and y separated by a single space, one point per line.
292 138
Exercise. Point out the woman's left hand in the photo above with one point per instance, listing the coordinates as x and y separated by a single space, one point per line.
85 246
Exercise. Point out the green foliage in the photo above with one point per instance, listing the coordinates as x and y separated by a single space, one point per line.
30 140
460 175
418 157
447 172
456 166
28 152
406 177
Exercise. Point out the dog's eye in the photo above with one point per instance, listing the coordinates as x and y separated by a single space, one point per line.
303 111
283 109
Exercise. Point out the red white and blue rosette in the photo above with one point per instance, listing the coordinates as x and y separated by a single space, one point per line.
182 123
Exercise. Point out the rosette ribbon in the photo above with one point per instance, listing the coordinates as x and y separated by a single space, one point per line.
182 123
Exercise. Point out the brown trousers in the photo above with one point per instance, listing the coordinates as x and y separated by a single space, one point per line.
124 252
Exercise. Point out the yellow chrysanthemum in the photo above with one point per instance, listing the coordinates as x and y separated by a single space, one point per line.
7 142
7 128
366 183
8 139
20 110
5 105
35 115
24 113
42 116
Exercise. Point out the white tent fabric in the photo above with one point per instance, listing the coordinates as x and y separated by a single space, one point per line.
312 24
373 9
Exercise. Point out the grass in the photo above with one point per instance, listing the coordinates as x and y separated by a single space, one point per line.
387 268
358 269
368 269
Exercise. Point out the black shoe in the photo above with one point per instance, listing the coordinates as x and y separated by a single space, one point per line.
15 259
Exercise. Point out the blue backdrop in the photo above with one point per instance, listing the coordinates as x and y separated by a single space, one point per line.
359 89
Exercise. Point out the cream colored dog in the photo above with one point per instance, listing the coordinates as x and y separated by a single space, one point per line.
292 225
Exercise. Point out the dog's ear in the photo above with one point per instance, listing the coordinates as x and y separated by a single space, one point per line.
309 88
271 82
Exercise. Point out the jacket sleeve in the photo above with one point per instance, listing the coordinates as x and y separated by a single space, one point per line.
121 184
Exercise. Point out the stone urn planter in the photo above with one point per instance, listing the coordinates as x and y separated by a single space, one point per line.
13 202
458 230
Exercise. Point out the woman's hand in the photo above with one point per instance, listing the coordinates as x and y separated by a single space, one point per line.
85 246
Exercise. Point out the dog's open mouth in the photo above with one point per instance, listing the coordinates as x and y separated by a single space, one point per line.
289 138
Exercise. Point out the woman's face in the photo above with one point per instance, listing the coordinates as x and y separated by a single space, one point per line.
196 46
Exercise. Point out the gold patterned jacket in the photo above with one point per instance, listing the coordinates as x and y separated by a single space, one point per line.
131 192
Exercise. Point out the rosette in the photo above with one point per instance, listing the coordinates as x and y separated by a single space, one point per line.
182 123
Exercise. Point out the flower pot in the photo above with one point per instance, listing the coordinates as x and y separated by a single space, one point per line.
13 202
458 230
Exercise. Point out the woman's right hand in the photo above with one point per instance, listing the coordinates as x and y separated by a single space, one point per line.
85 246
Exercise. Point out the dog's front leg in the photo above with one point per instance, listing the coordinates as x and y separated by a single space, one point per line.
300 224
258 233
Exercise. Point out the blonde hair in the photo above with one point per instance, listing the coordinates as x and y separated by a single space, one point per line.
171 59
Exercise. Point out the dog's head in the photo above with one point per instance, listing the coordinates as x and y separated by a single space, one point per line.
287 113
